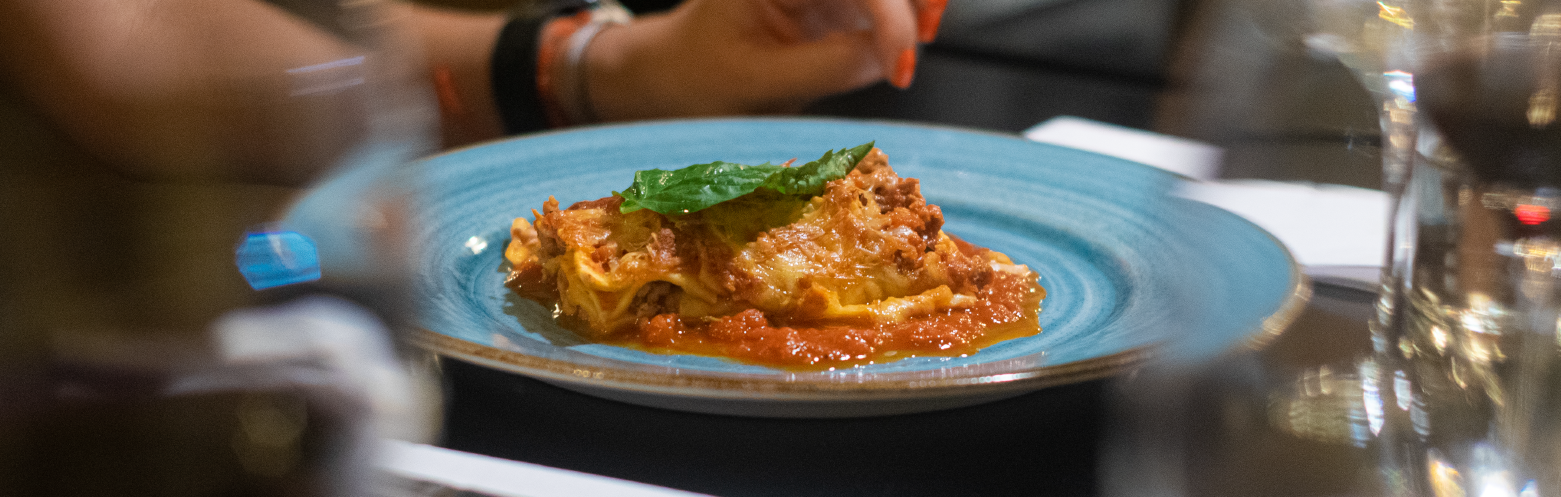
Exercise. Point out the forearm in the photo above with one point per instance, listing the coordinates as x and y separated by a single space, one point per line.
172 87
228 88
459 49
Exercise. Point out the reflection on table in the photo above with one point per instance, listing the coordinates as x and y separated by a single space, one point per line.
1262 424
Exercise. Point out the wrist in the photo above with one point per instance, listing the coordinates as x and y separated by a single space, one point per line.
629 73
700 59
562 71
458 49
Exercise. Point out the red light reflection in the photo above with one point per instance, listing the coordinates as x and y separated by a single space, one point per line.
1531 214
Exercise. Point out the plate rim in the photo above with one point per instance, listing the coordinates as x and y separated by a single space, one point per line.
720 385
717 385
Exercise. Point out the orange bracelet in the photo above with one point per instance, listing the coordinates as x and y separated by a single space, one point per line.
444 88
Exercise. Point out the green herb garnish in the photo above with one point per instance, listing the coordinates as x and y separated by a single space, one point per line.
700 186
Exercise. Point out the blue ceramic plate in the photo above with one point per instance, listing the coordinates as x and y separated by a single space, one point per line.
1128 269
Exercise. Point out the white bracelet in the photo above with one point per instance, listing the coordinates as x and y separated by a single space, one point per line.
577 104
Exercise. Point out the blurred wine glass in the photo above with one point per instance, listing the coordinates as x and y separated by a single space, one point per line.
1469 361
1375 40
1461 381
1455 390
159 335
1299 416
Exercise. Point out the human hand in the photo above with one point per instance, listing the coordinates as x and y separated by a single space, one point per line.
734 57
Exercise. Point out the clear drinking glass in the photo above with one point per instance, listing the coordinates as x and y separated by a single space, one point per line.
160 336
1469 364
1460 390
1374 40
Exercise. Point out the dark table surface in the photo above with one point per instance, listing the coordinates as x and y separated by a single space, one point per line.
1053 442
1036 444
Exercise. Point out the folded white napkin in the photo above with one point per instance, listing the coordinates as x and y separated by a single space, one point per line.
1193 159
1339 233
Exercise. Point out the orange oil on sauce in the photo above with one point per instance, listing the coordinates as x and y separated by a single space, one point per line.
1008 309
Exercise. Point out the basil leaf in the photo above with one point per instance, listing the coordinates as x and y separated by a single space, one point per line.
694 187
809 179
700 186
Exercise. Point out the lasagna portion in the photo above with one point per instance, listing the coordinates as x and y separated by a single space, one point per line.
860 273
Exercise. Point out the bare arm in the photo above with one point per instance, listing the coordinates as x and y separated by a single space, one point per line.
174 87
212 88
459 48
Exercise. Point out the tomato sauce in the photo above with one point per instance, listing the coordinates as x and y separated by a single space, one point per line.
1007 308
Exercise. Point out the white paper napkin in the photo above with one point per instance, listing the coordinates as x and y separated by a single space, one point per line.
1339 233
1193 159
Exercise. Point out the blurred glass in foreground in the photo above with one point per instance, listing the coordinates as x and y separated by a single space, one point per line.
1454 390
1286 418
1201 418
1469 363
157 335
1285 415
